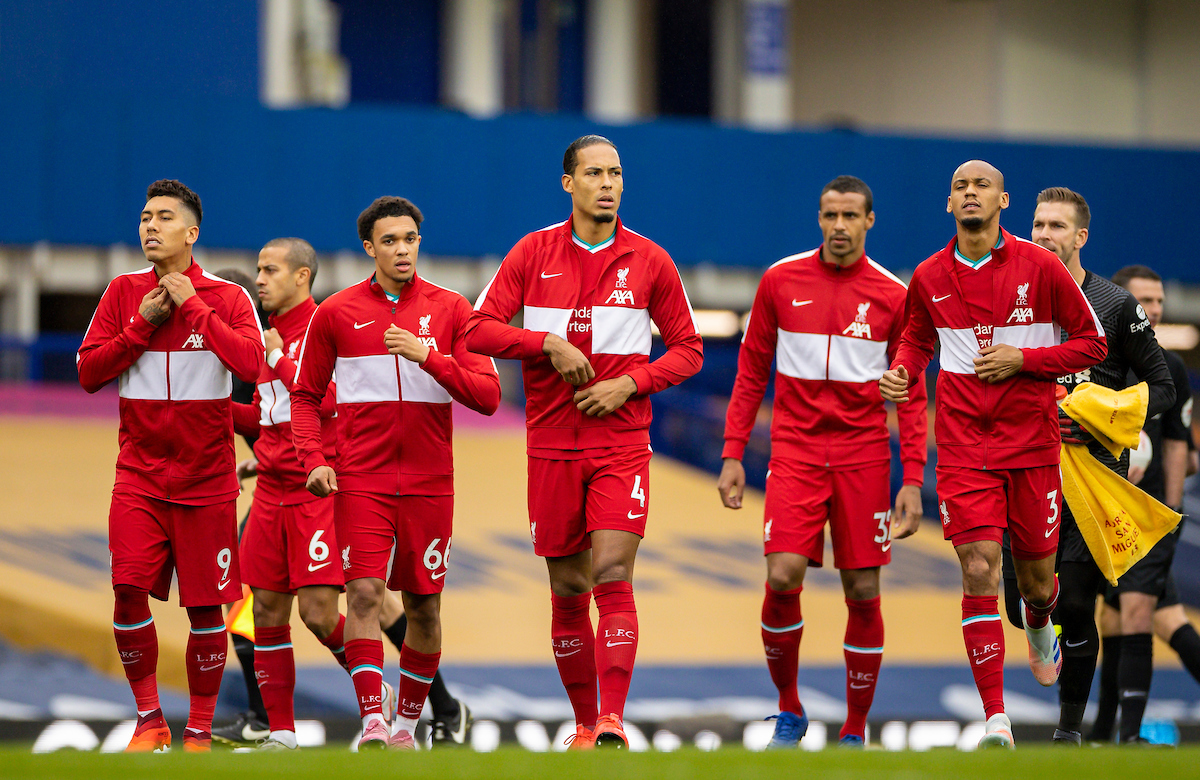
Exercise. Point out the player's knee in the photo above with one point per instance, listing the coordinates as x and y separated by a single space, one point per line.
424 614
364 601
618 571
979 577
319 619
128 594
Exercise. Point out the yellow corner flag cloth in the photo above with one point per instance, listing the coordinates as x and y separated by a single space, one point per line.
1119 522
240 619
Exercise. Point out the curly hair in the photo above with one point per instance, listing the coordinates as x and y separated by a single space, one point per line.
387 206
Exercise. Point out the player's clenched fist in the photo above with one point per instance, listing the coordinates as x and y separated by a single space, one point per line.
178 286
893 385
156 306
571 364
322 481
403 343
606 396
272 340
732 483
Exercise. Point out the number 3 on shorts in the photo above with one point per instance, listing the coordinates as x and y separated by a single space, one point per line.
638 493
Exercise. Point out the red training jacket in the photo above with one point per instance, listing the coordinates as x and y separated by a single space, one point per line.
832 332
176 433
1022 297
394 424
610 323
281 478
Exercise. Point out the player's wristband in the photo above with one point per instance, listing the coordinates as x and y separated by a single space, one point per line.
274 357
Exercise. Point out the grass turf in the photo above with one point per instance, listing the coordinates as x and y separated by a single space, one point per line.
1041 761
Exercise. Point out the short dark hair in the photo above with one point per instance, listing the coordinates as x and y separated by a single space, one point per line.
298 254
239 277
844 184
571 156
1123 276
1083 215
181 192
387 206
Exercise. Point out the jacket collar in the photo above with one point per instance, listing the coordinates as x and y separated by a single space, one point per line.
1000 254
835 271
406 292
620 236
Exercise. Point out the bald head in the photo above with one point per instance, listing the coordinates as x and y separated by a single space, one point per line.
979 169
977 196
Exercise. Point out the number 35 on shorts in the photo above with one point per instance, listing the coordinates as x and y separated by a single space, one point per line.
435 559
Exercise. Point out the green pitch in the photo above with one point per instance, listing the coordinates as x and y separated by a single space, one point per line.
1028 763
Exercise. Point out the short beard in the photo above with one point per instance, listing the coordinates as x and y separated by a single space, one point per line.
604 217
971 222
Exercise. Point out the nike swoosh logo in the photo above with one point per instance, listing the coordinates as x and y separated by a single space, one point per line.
131 319
632 516
210 668
800 303
437 576
939 299
860 687
990 657
614 644
224 585
360 327
318 566
564 655
1077 644
1052 530
551 276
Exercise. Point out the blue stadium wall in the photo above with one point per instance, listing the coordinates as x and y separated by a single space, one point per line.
98 100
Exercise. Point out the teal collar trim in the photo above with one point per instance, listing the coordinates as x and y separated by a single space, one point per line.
594 248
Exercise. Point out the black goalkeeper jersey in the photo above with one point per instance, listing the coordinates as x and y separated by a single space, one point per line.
1133 355
1175 423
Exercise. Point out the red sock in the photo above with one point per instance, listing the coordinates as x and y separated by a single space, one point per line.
1037 616
275 668
365 658
137 642
416 675
983 634
206 649
336 642
782 627
863 648
616 644
574 644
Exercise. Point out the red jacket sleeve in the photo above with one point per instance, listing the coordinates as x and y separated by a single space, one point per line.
919 336
470 379
110 346
238 343
488 332
247 418
913 418
1085 345
317 358
672 313
753 371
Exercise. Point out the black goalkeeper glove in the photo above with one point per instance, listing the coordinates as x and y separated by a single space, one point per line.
1071 431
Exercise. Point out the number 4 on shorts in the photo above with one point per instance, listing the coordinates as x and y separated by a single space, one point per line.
638 493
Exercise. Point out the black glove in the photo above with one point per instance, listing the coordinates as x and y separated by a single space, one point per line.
1071 431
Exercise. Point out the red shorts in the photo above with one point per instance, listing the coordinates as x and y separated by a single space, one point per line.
801 498
568 499
285 548
978 504
404 540
148 539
